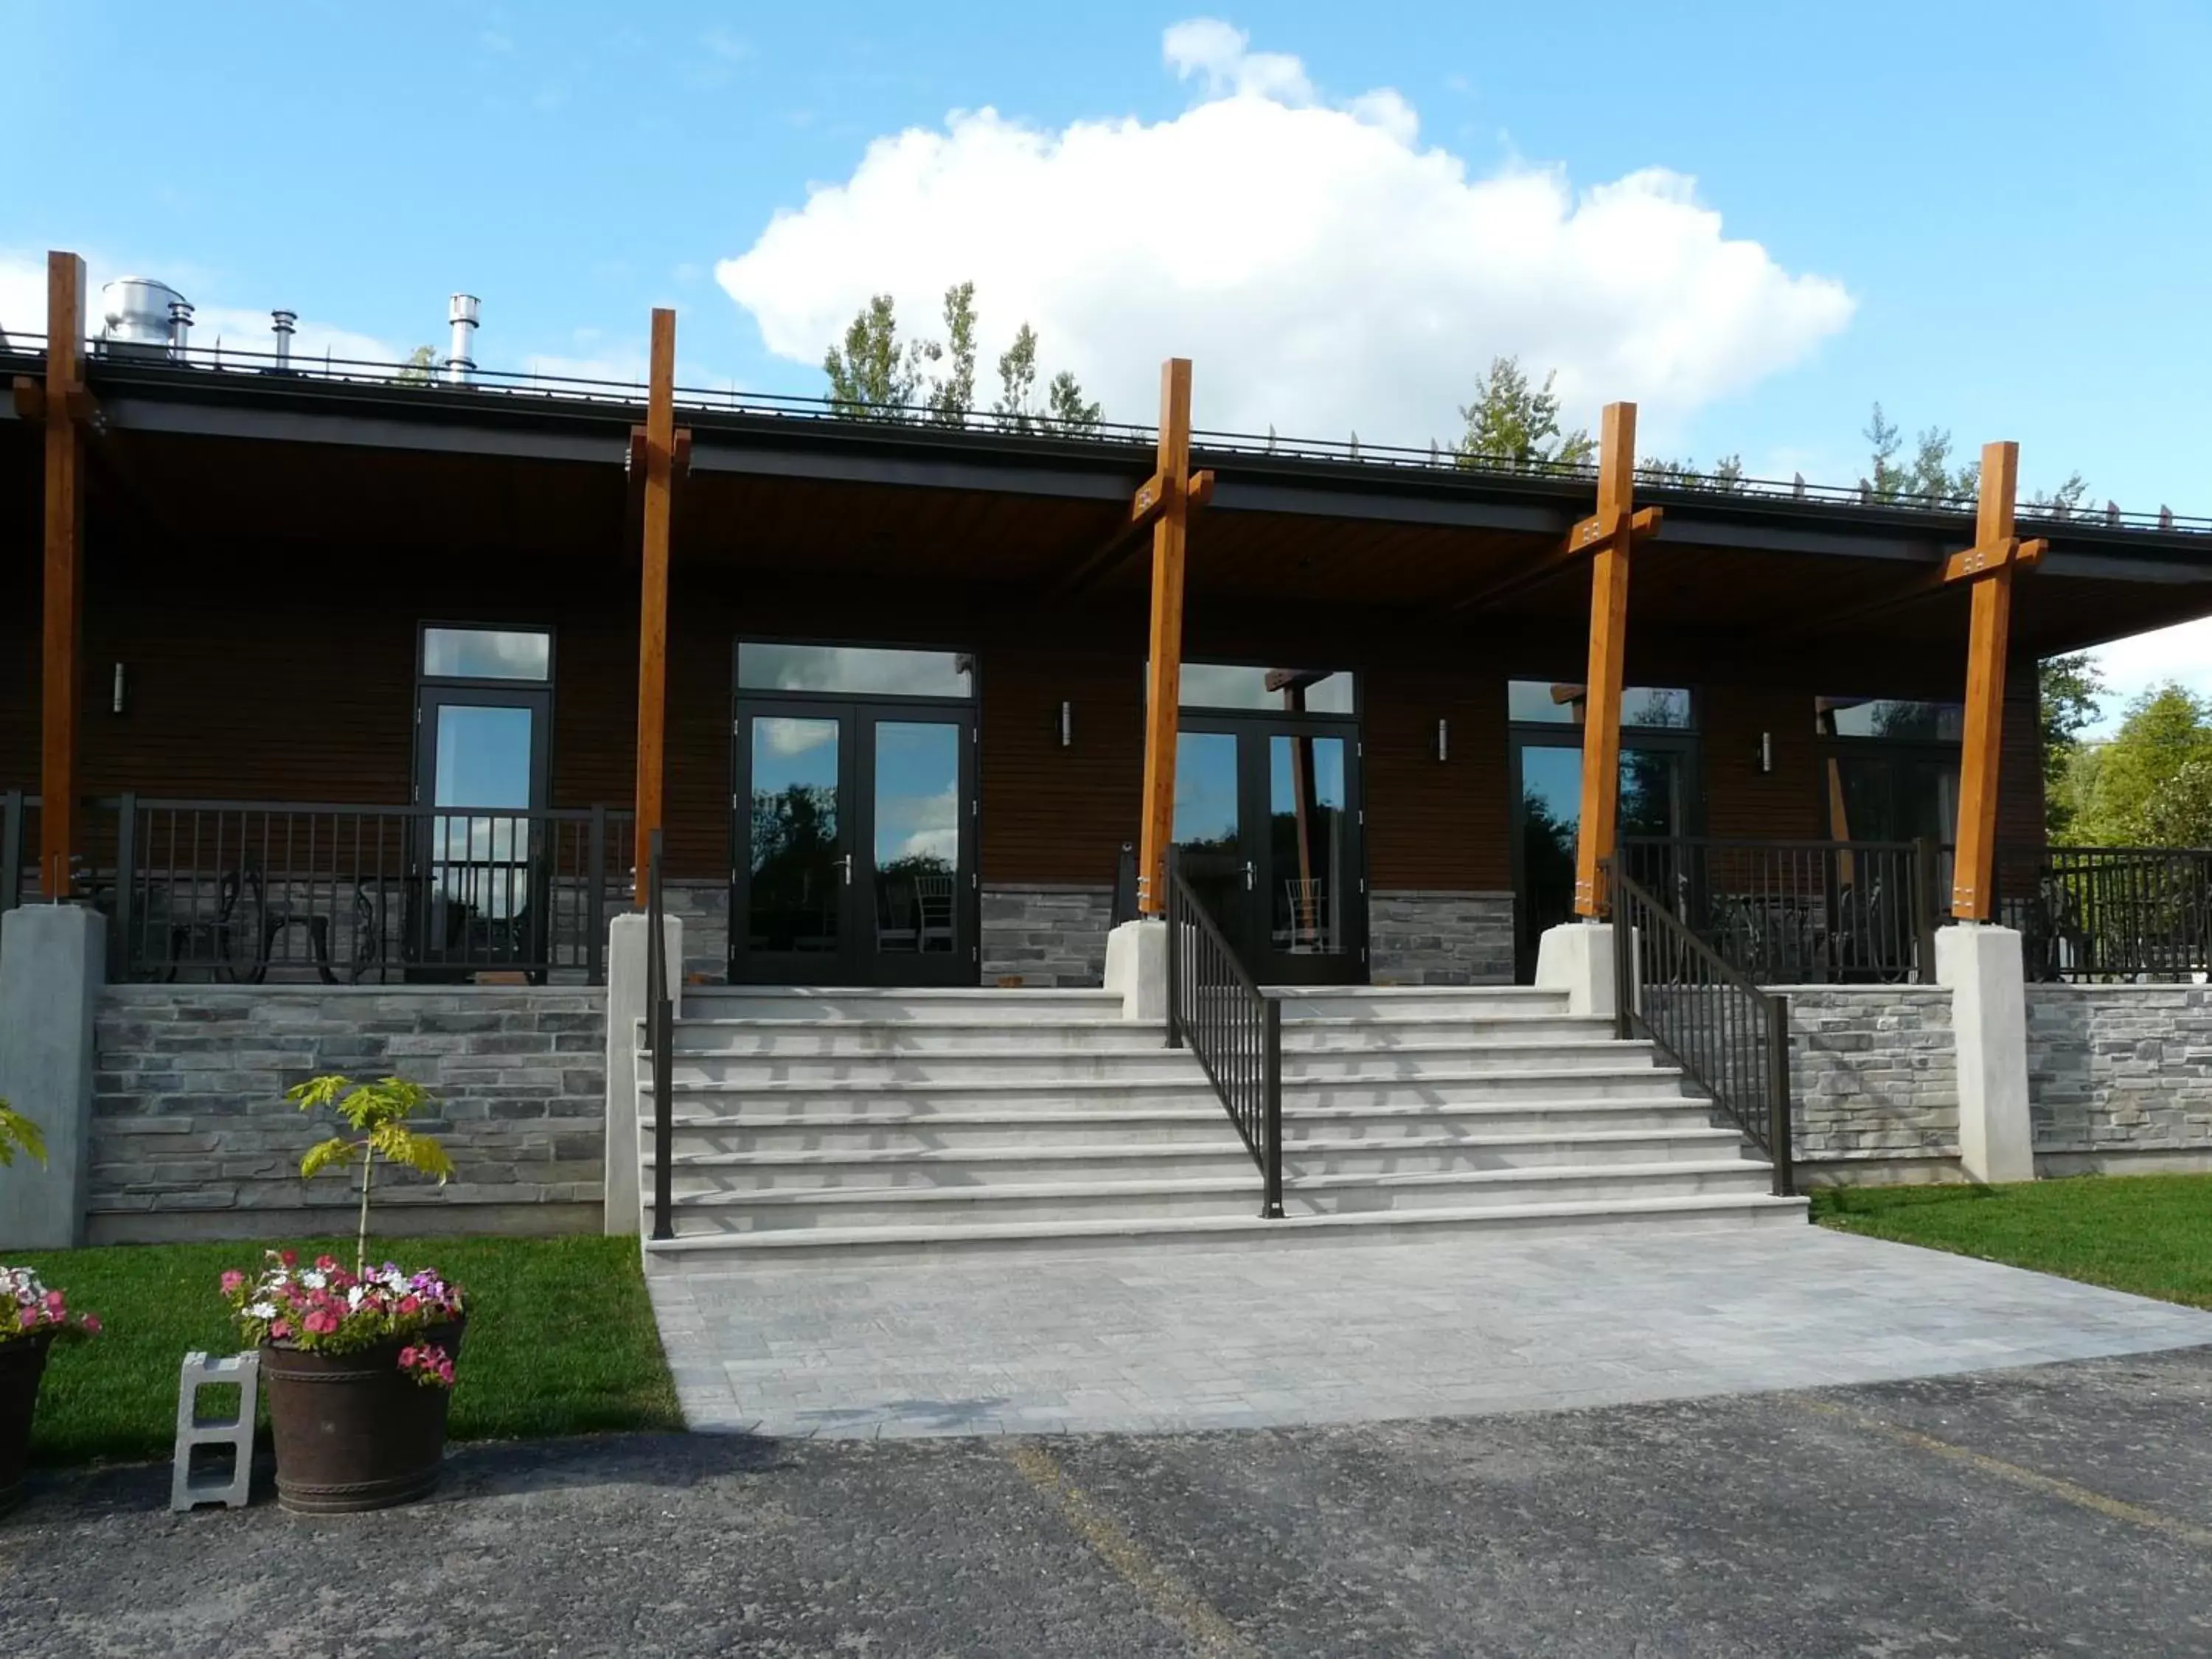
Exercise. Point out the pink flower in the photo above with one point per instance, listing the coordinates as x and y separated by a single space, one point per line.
408 1305
91 1323
231 1281
322 1322
289 1258
280 1329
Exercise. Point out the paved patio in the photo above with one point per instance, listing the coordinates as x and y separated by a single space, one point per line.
1142 1339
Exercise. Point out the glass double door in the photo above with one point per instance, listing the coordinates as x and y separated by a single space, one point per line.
1657 789
854 854
1268 822
481 894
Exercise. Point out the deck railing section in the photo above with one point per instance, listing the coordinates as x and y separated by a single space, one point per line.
255 891
1801 912
19 847
2111 913
661 1031
1220 1013
1730 1037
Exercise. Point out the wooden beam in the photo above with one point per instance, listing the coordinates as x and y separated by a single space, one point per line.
1971 888
1569 555
61 669
660 459
1980 560
1164 677
1608 636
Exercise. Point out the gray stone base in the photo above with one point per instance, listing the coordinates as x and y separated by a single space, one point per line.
1045 934
1440 938
703 908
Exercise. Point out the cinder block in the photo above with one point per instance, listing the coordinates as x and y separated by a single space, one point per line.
233 1488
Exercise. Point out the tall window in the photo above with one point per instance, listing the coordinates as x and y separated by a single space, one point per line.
1890 766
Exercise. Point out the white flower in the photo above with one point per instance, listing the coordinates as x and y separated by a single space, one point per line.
262 1310
314 1280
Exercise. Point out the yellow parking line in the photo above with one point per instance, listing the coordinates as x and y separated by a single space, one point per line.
1166 1593
2019 1475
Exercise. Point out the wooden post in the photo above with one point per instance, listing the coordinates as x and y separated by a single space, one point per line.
62 642
1989 565
659 456
1164 685
1612 533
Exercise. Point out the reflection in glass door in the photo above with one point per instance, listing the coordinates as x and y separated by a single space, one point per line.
479 893
1269 831
1656 791
856 846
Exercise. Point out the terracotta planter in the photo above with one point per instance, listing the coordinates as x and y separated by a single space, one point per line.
352 1430
22 1362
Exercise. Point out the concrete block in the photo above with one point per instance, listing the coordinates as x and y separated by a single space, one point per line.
1576 958
1981 965
232 1487
1137 969
626 1006
53 961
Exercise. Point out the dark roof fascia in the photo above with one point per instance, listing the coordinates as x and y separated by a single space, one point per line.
475 420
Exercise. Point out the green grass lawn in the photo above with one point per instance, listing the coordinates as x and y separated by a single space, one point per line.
561 1338
2148 1234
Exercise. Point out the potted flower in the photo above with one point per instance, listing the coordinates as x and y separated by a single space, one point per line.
32 1319
358 1365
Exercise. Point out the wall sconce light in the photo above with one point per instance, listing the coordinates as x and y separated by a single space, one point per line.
118 703
1444 740
1765 754
1067 725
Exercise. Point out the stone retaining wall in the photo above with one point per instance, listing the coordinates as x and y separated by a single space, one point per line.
193 1138
1046 935
2121 1074
1438 938
1873 1079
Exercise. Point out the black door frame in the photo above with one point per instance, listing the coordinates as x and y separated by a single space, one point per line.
430 944
1685 743
856 961
1252 930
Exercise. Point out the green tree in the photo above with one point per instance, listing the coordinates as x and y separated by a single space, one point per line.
873 376
2150 783
2071 691
1928 473
1515 423
377 1113
420 368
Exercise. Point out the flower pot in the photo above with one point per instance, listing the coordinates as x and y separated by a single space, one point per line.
353 1431
22 1362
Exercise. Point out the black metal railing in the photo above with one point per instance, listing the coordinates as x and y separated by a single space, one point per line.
1236 1030
1729 1037
19 847
1801 912
660 1029
2110 913
253 890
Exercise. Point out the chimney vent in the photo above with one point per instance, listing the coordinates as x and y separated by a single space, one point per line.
180 329
460 362
282 323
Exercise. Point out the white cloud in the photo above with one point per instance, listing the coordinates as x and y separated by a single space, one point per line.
1325 272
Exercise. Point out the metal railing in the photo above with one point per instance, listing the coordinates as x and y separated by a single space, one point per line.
2111 913
1801 912
251 890
19 845
1729 1037
1236 1030
660 1029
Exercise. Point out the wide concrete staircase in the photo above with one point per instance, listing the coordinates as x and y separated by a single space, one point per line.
854 1124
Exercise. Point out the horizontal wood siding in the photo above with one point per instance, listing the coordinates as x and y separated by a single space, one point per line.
1436 825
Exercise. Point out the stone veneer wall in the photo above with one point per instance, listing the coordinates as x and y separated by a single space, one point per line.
1046 934
1874 1081
703 906
2120 1075
192 1136
1424 937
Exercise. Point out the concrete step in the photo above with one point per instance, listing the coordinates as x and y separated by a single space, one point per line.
1421 1001
702 1206
964 1032
1414 1061
834 1003
1223 1158
889 1246
1311 1158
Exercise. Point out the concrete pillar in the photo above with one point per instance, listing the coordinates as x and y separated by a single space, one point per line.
626 1006
53 962
1576 958
1137 966
1989 1023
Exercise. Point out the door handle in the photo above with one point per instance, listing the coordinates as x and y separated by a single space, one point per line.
1250 874
847 862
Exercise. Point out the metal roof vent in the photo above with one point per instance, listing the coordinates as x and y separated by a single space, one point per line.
283 324
135 317
461 310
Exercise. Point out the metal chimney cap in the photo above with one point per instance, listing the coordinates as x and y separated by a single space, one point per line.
464 308
283 322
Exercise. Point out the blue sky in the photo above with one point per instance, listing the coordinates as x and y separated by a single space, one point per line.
1992 218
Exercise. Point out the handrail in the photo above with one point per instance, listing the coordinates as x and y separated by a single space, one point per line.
1236 1030
660 1023
1729 1036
